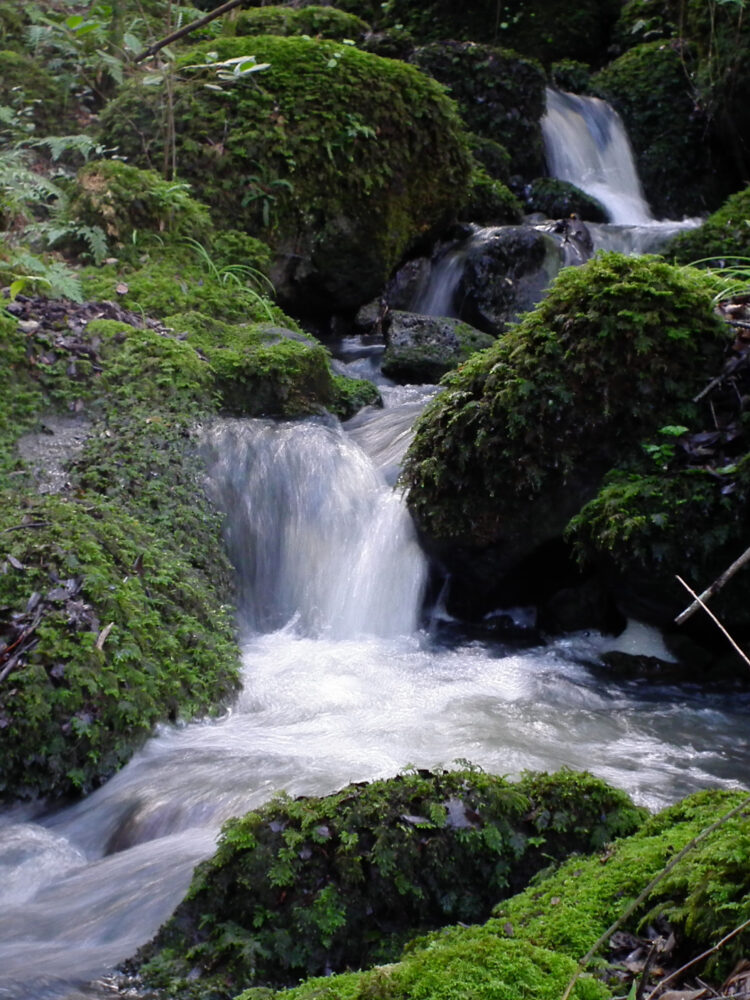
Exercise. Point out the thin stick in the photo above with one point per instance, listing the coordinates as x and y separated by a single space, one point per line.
714 588
187 28
694 961
647 891
714 619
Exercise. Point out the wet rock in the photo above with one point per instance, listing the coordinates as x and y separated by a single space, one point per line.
423 348
505 273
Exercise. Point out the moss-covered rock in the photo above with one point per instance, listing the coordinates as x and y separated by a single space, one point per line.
525 431
490 202
642 528
491 155
340 159
570 75
724 235
127 203
115 590
500 96
313 884
533 944
559 200
319 22
649 87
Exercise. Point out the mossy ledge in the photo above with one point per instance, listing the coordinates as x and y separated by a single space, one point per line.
313 884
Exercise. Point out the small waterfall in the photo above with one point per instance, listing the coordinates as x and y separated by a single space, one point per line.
586 144
317 535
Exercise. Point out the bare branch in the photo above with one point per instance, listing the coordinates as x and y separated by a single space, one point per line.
714 619
715 586
187 28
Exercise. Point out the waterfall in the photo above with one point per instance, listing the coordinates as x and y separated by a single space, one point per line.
586 144
315 531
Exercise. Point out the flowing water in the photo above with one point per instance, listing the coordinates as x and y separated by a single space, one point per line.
342 680
341 683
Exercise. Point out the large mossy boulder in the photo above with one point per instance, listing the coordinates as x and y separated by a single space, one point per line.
310 885
557 199
678 163
532 946
339 159
524 432
319 22
722 238
500 96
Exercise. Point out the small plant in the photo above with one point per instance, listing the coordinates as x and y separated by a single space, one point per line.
238 275
664 452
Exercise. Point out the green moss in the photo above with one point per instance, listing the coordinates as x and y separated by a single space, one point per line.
127 203
532 945
35 95
340 159
320 22
492 156
127 635
352 394
704 898
181 279
650 87
724 234
490 202
692 521
525 430
300 886
559 200
500 96
22 396
570 75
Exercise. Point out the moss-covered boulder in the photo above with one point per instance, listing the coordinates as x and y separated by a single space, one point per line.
126 203
308 885
557 199
423 348
533 944
525 431
679 166
341 160
500 96
319 22
723 236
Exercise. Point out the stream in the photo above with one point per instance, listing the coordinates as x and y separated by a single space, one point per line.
344 679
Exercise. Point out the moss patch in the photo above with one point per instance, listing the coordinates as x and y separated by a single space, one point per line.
723 235
305 885
559 200
319 22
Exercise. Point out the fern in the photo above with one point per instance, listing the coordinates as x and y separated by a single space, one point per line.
53 278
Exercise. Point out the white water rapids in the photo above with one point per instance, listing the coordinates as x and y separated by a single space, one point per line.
340 684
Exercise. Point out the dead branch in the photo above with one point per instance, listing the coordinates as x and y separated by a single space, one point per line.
694 961
714 619
714 588
631 907
187 28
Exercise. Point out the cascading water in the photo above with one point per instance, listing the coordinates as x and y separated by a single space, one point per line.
586 144
339 685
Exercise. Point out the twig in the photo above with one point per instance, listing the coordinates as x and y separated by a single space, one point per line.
27 524
714 619
699 958
187 28
647 891
714 588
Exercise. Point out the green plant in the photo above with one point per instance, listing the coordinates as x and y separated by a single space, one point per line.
664 452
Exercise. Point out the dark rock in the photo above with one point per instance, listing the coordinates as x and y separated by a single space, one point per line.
423 348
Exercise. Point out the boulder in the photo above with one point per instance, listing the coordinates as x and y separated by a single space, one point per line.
423 348
340 160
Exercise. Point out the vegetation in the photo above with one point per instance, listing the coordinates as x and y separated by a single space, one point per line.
525 430
723 236
319 22
559 200
340 187
299 886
